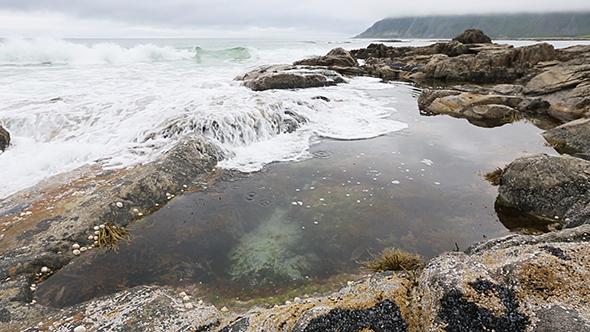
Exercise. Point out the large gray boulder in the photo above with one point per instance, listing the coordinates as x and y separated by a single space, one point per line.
4 139
338 57
515 283
555 186
473 36
289 77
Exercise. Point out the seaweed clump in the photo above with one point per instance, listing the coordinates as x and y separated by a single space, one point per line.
494 176
110 235
393 259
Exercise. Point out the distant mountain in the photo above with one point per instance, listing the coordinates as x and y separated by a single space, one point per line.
496 26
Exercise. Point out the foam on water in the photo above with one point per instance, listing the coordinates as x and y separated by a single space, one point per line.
54 51
130 108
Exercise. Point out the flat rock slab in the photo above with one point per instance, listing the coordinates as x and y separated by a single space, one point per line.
574 134
143 308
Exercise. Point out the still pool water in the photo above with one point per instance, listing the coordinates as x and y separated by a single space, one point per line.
295 224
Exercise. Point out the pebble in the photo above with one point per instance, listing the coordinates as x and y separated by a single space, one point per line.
90 237
80 329
96 228
189 306
75 246
186 298
119 204
296 299
45 269
83 249
224 309
101 226
288 302
76 252
201 302
182 294
96 232
350 283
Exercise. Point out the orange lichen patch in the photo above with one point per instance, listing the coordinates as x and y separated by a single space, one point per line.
553 279
490 301
362 295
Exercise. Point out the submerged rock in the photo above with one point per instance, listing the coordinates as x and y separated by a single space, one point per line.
289 77
4 139
557 187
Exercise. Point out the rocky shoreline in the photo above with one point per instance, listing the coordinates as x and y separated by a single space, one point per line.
513 283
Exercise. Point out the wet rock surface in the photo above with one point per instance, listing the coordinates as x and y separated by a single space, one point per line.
289 77
553 186
4 139
507 284
144 308
573 136
59 212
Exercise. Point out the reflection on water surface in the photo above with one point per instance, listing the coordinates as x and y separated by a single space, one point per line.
300 223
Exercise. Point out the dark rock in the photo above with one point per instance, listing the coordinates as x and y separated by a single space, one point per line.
289 77
337 57
473 36
574 135
547 185
491 67
4 139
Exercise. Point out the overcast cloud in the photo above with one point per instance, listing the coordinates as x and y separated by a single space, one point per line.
235 18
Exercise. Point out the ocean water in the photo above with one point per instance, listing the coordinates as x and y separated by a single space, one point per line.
68 103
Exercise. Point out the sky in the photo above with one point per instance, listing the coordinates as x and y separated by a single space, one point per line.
235 18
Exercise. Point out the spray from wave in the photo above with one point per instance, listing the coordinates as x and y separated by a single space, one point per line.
37 51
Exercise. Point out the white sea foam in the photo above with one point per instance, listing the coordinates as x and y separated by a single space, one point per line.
132 107
55 51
